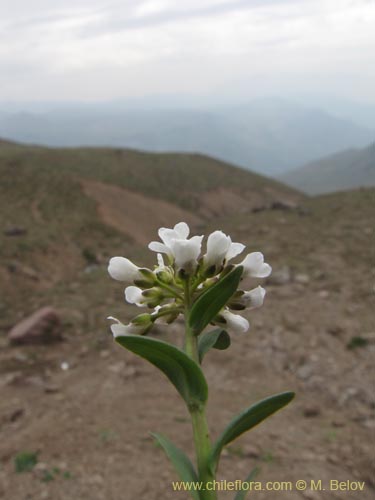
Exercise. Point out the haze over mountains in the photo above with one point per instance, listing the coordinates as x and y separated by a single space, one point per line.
344 170
269 136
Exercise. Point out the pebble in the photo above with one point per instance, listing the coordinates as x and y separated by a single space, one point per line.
304 372
303 279
311 411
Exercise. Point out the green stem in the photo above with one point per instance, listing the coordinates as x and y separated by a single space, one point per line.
173 292
201 435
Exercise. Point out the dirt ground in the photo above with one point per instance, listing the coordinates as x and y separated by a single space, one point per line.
89 423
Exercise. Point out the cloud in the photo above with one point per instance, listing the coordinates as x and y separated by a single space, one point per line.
97 49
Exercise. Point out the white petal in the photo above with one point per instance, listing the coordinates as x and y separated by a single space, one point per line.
156 246
234 250
254 298
133 295
186 252
264 271
123 269
218 245
161 264
119 329
255 266
167 235
235 322
182 230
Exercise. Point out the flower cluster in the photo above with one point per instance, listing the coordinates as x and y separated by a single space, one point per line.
181 267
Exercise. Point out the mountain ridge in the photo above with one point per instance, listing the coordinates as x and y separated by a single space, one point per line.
267 136
348 169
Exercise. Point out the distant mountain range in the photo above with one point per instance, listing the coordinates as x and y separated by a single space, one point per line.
269 136
348 169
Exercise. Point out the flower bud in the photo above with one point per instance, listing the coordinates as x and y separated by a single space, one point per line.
142 319
165 276
122 269
148 275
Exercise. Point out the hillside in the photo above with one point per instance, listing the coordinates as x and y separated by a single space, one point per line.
265 135
78 206
86 407
348 169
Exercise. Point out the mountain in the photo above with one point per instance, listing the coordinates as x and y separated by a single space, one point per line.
266 135
348 169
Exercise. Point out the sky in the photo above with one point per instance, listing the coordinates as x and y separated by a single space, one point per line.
98 50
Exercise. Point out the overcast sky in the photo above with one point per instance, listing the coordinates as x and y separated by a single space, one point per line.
103 49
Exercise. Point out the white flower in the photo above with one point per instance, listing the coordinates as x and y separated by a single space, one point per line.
119 329
186 252
179 232
176 245
255 266
235 322
134 295
254 298
122 269
220 248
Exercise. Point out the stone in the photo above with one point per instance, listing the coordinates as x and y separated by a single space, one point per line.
304 372
303 279
16 414
15 231
280 276
311 411
283 205
51 388
43 326
18 268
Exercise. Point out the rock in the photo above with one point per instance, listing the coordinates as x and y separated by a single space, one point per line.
12 378
16 414
335 330
283 205
303 279
338 423
281 276
29 272
51 389
304 372
252 451
41 327
311 411
117 368
15 231
260 208
323 294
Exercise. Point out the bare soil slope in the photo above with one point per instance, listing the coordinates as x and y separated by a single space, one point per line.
89 424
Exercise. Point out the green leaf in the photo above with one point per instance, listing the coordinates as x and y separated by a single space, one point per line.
247 420
218 339
241 495
209 304
182 371
180 461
